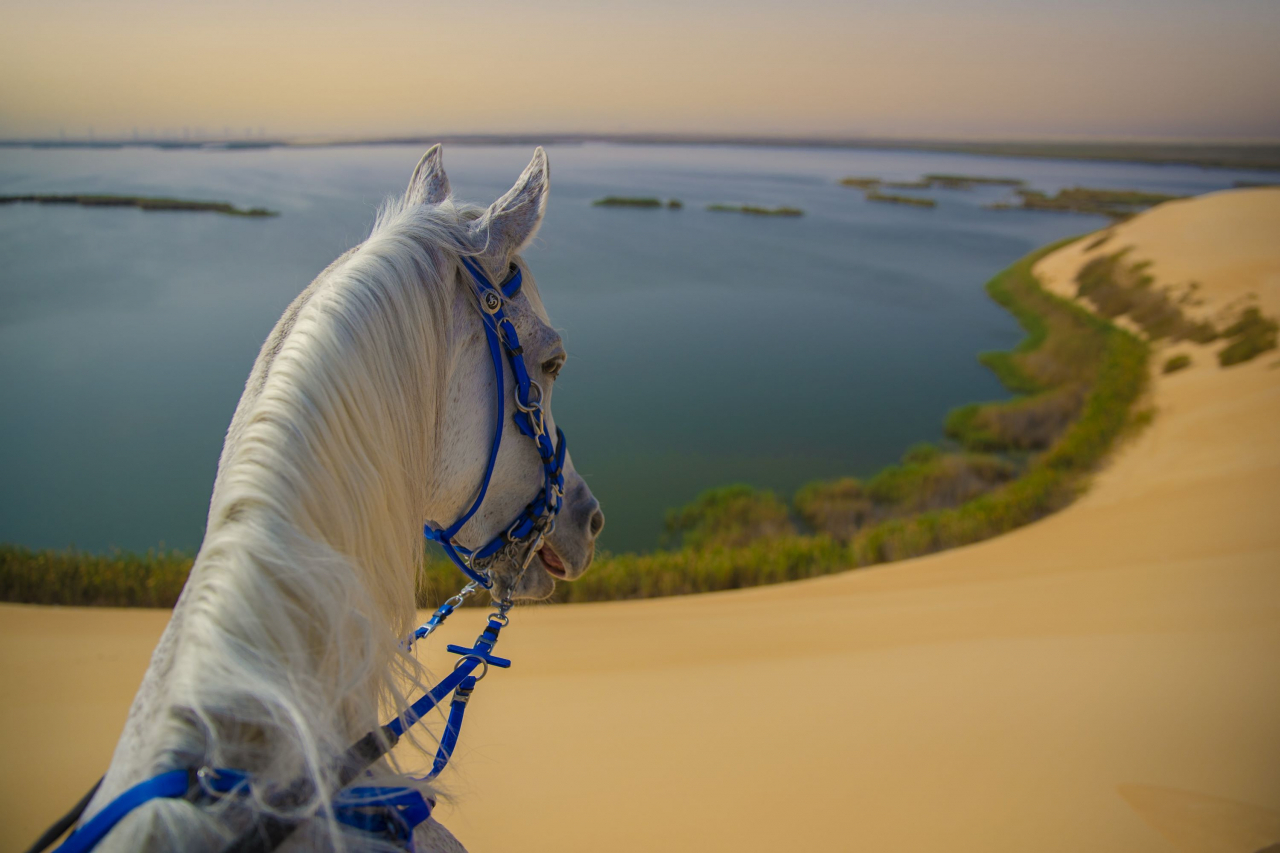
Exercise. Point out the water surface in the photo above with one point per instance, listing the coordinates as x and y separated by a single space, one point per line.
705 348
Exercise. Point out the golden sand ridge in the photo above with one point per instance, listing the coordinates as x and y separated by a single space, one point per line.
1104 679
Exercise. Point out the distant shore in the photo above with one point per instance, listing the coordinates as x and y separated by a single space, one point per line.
1259 156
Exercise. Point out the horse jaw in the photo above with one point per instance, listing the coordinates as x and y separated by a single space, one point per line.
536 584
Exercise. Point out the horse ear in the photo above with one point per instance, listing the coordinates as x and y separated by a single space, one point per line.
512 221
429 184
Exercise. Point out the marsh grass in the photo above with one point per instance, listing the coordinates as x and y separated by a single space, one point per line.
755 210
739 537
1117 204
1117 288
860 183
624 201
1251 335
81 578
146 203
966 182
890 198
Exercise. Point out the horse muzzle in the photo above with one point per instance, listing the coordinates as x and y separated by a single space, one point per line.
567 552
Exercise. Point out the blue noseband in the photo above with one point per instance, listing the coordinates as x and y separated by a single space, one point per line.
538 519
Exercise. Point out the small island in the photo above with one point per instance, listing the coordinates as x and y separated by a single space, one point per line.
632 201
968 182
624 201
147 203
755 210
932 181
1117 204
876 195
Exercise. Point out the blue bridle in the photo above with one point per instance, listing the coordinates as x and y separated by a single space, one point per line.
395 811
538 519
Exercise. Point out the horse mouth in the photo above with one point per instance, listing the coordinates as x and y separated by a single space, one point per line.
551 562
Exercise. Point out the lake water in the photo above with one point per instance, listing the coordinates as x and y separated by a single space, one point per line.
705 348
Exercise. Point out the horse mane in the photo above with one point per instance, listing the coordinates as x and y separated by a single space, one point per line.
291 621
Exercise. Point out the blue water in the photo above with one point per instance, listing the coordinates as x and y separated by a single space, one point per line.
705 348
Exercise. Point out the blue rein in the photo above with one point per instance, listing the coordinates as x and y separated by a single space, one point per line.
393 812
538 519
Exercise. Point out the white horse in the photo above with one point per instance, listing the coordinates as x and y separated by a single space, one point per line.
369 410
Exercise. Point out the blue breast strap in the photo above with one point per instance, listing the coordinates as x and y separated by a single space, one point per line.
389 811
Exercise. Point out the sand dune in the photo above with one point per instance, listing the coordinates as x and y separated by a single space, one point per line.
1106 679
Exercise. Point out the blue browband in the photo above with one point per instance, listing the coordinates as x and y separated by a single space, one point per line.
539 518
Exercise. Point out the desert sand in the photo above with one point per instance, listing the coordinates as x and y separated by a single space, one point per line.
1105 679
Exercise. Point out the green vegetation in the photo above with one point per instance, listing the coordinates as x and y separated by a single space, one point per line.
1176 363
932 181
755 210
861 183
1116 288
737 536
1251 335
675 204
876 195
968 182
71 577
926 479
728 517
623 201
1117 204
1102 239
1055 369
141 202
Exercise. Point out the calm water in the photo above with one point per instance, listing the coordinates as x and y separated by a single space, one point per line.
704 348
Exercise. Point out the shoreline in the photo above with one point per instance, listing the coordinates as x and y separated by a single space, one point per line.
154 578
1247 156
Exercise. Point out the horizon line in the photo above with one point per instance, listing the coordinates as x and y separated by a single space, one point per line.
1256 155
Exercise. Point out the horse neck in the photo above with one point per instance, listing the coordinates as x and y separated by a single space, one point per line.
305 582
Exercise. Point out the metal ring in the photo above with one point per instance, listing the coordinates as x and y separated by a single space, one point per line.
204 776
501 618
483 672
536 404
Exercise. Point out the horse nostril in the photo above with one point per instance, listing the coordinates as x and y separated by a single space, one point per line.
596 523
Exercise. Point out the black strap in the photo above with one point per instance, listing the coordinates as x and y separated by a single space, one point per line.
65 822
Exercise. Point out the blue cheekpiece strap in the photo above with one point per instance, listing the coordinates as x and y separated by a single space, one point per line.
501 335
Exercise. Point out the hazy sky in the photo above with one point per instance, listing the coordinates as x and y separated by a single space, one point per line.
963 68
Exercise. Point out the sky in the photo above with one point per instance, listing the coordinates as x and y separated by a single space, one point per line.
955 69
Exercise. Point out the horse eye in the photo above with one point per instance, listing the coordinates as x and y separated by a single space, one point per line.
552 367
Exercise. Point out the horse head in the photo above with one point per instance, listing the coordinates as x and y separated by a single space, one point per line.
487 252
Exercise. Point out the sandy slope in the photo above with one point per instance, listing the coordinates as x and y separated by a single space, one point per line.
1107 679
